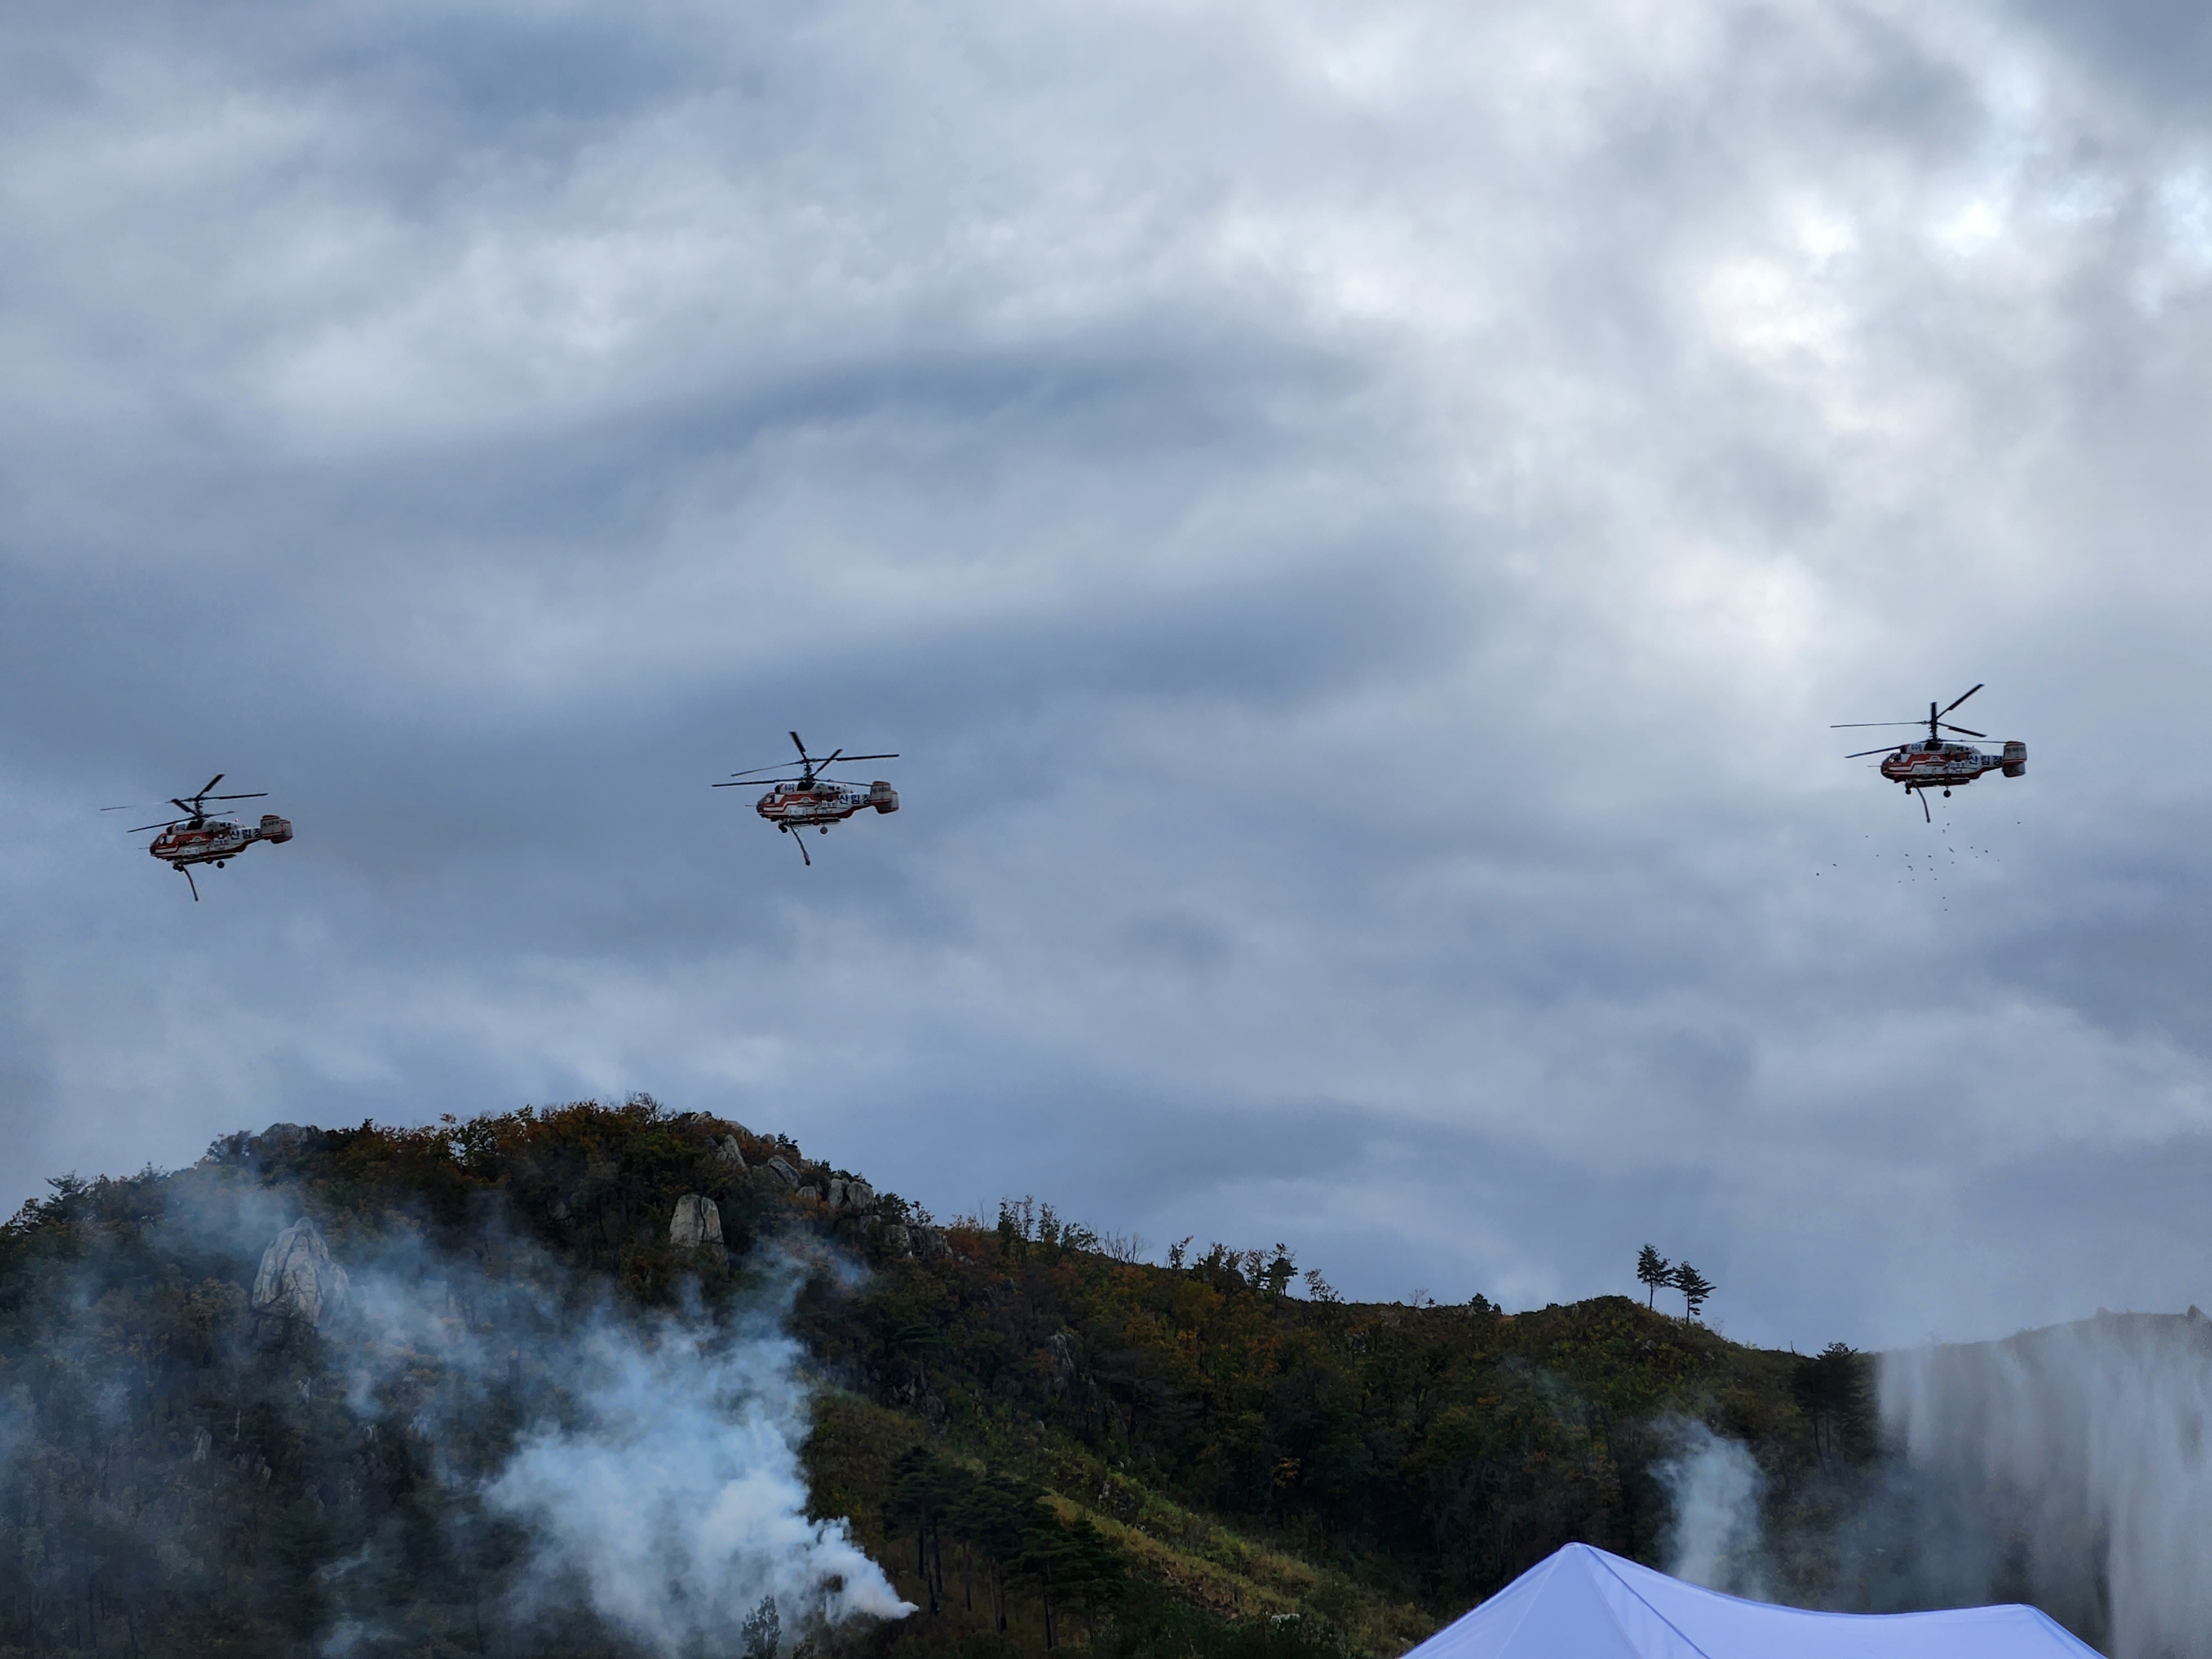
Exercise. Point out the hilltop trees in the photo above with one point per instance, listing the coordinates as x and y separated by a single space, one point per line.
1653 1271
1694 1286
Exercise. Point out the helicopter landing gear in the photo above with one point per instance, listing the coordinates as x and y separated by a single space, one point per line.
1947 795
218 863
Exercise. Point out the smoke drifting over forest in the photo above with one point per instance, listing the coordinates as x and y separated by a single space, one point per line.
477 1443
675 1498
1715 1484
657 1473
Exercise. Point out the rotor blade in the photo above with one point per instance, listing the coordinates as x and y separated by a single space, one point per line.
1865 752
1955 702
750 783
163 825
854 757
802 747
1962 731
184 806
831 760
211 782
256 794
1847 726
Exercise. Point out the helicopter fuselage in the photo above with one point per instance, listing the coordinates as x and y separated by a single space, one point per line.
211 840
1930 764
820 804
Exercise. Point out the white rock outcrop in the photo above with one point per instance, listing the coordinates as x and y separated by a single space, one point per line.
781 1169
729 1154
298 1279
697 1220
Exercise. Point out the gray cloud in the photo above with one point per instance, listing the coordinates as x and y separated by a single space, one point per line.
1356 525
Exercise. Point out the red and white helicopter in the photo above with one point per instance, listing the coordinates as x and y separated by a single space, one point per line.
1932 763
810 800
202 837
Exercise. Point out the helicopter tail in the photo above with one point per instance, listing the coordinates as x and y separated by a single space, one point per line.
2015 759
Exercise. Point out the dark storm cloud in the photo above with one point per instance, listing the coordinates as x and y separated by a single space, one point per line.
1357 525
2151 46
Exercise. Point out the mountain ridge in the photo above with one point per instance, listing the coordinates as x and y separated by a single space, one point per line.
1197 1459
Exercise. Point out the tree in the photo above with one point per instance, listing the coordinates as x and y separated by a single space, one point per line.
924 1488
1694 1286
1095 1570
1048 1557
1653 1270
1832 1389
762 1633
993 1514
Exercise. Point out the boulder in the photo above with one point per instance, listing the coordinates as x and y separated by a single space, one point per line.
729 1154
698 1221
854 1195
778 1167
298 1280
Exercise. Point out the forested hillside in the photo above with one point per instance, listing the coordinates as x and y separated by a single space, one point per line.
435 1442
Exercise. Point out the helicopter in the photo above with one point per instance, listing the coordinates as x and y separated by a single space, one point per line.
202 837
1931 764
810 800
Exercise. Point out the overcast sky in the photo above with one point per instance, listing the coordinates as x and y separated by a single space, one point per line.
1356 519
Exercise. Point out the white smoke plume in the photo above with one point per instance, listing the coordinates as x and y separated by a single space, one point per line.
2069 1466
657 1473
675 1497
1713 1536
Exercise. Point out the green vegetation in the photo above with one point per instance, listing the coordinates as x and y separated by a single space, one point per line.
1045 1445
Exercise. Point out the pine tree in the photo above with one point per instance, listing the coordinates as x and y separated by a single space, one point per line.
1652 1270
1694 1286
1097 1572
925 1490
1831 1390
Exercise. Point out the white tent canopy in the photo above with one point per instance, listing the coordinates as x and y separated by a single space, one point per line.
1583 1603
